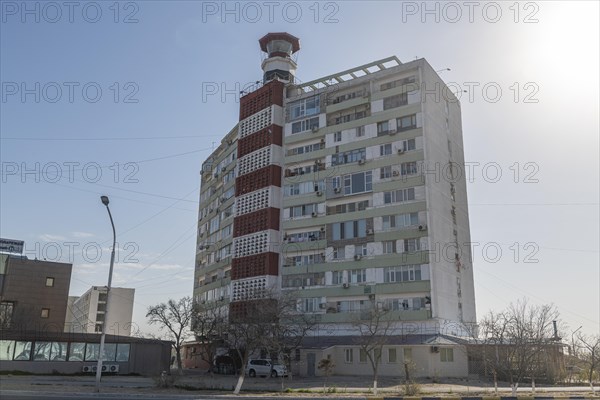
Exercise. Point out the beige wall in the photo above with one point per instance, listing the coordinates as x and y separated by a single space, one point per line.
427 363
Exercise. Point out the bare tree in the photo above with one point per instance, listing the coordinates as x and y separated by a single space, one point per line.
374 327
209 325
327 366
590 356
174 317
249 332
517 342
271 324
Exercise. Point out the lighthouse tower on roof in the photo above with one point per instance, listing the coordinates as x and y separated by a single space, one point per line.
279 64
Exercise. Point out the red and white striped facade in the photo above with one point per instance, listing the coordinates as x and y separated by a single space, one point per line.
256 230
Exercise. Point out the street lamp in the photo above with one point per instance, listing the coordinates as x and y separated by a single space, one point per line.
110 271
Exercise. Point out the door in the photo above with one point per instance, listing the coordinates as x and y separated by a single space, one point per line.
310 364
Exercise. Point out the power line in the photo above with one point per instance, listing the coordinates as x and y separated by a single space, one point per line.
50 139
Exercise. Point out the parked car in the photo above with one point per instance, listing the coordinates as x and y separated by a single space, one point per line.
265 367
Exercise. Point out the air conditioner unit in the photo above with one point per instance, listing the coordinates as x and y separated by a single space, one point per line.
337 190
369 231
361 161
322 306
319 193
323 140
314 129
223 169
395 173
217 259
400 151
392 132
87 368
345 285
435 349
113 368
371 297
368 106
322 229
314 214
358 257
422 227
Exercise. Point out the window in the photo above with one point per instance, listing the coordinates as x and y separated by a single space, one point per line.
399 196
305 125
385 172
357 276
50 351
397 83
22 351
404 273
407 353
389 246
303 188
409 144
337 277
392 355
49 281
349 356
339 253
408 219
348 157
385 149
305 149
337 137
358 183
77 352
91 351
360 131
302 210
446 354
310 304
214 225
362 356
304 107
408 122
45 313
412 245
6 313
383 128
408 168
395 101
360 250
349 229
389 222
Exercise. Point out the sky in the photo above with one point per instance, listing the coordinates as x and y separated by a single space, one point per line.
126 99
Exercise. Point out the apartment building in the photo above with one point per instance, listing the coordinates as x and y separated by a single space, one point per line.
87 313
348 191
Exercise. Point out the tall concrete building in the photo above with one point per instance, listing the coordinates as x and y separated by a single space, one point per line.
33 294
348 190
87 313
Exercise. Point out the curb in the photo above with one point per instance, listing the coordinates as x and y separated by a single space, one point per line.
492 398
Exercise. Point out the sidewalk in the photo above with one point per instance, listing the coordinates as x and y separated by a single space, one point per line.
202 384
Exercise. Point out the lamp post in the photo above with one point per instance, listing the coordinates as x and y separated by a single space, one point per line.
110 271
